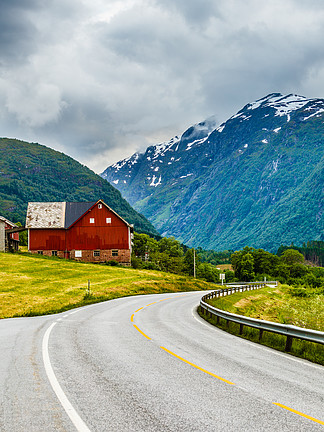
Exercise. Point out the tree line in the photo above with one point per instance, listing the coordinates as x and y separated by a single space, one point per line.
167 254
287 267
249 264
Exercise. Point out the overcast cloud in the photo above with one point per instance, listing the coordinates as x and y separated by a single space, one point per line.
102 79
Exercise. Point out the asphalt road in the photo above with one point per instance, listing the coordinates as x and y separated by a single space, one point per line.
149 363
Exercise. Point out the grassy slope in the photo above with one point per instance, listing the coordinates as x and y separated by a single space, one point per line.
278 305
36 285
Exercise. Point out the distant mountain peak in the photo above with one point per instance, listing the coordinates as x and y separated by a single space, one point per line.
223 186
282 105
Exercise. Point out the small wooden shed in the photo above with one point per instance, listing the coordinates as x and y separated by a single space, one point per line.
84 231
9 240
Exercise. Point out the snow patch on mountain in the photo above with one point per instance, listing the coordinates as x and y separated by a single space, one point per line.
221 128
317 113
155 184
193 143
161 149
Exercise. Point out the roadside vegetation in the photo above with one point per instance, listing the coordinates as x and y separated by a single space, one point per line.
298 300
303 307
37 285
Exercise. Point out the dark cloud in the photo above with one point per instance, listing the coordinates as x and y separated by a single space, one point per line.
18 35
100 80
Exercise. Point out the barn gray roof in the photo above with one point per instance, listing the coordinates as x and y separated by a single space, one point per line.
59 214
55 214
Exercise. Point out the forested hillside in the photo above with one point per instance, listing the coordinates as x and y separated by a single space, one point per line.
32 172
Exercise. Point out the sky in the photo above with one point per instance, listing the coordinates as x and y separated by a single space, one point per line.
102 79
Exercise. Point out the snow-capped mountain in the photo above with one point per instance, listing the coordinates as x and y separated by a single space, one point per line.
157 155
245 181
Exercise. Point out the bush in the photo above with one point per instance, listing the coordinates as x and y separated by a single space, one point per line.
112 263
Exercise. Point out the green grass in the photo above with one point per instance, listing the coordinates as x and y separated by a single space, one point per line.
33 285
303 349
284 304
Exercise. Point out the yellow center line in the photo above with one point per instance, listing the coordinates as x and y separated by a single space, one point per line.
299 413
210 373
147 337
195 366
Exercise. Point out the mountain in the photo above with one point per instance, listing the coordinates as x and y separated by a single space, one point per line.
256 179
32 172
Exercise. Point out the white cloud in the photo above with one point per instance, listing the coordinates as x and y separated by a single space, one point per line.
100 80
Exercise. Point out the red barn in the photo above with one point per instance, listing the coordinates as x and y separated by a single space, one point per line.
85 231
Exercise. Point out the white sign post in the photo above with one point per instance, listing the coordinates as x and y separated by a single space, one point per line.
222 277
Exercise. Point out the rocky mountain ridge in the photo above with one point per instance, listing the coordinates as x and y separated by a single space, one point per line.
256 179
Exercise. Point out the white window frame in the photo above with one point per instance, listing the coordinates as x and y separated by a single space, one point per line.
108 220
99 206
78 254
92 220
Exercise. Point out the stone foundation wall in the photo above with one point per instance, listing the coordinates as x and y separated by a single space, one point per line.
123 257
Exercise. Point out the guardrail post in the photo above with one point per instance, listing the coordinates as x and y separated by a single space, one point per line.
260 334
241 329
288 343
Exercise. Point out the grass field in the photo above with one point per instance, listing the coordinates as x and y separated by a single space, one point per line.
37 285
284 304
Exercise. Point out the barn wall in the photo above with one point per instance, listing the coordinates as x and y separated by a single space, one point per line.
85 235
47 239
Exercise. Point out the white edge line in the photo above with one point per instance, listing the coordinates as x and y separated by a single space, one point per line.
66 404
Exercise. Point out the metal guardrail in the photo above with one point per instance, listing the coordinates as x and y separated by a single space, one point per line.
289 331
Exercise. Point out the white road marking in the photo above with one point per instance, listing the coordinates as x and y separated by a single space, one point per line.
71 412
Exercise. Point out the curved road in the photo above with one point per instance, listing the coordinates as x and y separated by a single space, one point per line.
149 363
